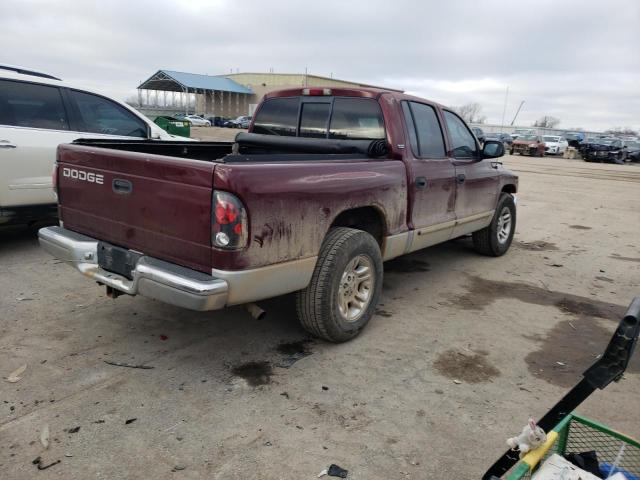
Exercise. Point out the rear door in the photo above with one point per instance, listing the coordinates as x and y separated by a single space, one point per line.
33 121
476 180
431 175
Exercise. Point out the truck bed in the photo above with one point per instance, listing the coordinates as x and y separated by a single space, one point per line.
156 197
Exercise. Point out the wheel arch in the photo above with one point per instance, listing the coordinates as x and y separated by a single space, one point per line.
370 219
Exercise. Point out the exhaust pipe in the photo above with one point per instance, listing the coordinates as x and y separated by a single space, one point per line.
255 311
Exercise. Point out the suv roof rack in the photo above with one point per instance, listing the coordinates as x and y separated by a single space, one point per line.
28 72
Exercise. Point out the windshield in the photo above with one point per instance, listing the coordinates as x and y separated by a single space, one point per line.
551 139
528 137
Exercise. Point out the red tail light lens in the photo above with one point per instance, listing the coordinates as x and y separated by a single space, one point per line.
229 226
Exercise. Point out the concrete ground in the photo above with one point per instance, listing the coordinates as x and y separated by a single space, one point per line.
463 350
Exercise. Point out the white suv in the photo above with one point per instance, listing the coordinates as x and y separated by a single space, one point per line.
37 113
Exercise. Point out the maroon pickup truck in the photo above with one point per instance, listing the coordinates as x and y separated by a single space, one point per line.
326 186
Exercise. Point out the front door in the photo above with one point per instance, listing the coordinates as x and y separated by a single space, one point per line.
431 175
476 179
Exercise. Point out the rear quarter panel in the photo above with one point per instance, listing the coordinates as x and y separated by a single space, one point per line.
292 205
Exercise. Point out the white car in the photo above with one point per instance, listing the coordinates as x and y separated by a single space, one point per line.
38 112
554 144
197 121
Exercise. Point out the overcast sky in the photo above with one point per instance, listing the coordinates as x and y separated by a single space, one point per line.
578 60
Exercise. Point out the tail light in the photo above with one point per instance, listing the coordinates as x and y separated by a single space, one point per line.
314 92
229 226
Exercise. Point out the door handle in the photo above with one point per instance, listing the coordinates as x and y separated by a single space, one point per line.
7 144
421 183
460 178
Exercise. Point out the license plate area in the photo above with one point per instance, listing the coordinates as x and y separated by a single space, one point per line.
117 260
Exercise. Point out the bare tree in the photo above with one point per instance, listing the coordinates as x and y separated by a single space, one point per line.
132 100
622 131
470 113
547 122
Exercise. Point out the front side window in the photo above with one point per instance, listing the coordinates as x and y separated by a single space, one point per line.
356 119
32 105
428 142
100 115
462 140
313 119
278 116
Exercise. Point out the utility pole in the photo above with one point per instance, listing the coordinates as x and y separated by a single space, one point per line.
517 112
504 108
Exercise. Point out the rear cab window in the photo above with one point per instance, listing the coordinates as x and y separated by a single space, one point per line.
32 105
344 118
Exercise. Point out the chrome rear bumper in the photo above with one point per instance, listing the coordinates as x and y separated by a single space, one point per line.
151 277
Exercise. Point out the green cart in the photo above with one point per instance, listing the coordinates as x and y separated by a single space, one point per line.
577 434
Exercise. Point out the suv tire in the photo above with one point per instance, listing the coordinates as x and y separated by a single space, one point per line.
495 239
345 286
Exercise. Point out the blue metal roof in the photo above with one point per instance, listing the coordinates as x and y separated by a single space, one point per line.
193 81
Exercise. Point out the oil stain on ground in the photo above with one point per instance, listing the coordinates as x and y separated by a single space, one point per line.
406 265
573 343
468 367
255 373
293 351
579 227
569 349
537 246
482 292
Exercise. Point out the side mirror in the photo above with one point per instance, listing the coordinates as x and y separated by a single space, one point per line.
492 149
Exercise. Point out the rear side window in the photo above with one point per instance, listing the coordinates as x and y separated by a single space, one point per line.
32 105
278 116
424 130
313 119
463 141
356 118
100 115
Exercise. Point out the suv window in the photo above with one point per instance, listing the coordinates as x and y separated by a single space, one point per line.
313 119
278 116
463 142
31 105
100 115
356 118
427 140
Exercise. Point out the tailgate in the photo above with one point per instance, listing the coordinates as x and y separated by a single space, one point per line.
157 205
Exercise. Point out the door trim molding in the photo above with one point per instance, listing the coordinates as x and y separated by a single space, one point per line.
419 238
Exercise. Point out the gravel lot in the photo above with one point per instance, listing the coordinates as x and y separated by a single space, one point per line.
225 400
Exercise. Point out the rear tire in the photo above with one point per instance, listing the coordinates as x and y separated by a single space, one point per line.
345 286
495 239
